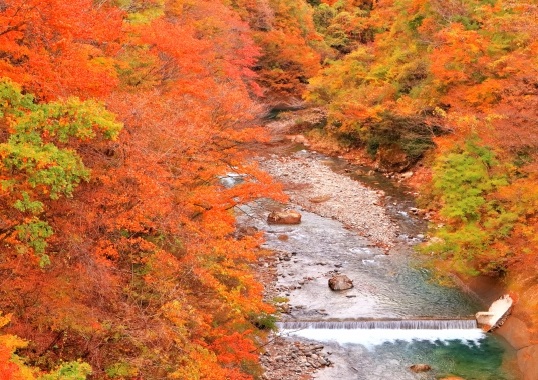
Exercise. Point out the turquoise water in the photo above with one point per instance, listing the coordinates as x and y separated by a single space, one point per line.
388 354
470 360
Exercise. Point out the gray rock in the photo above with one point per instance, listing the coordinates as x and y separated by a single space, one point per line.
340 282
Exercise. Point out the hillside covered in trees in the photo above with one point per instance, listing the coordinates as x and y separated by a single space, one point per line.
119 117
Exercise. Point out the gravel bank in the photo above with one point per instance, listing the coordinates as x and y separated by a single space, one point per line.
316 188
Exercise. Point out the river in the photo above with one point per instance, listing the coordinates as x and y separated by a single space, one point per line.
395 315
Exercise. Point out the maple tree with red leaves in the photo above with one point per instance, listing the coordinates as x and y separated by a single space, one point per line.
57 49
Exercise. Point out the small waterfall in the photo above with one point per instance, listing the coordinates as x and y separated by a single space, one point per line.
397 324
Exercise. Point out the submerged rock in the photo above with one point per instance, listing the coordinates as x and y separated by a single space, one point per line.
420 368
340 282
284 217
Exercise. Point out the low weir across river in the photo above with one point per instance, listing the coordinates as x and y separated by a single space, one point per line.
386 324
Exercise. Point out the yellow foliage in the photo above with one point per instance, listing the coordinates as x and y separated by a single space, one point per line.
12 366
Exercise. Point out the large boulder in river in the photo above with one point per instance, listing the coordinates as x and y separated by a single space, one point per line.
284 217
340 282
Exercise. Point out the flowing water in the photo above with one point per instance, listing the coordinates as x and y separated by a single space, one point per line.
380 324
394 316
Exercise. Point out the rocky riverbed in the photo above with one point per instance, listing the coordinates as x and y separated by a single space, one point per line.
367 234
311 184
316 188
282 358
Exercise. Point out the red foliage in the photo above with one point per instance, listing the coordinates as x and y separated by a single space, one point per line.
8 370
145 268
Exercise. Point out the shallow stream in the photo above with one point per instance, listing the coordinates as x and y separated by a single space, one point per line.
386 287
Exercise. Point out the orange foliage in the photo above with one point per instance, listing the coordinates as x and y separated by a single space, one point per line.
56 48
287 62
441 74
284 31
146 269
146 274
8 369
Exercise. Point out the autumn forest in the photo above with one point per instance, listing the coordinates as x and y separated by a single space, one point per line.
119 257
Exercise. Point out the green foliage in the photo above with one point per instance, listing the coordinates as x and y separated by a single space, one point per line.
416 22
141 12
27 205
13 101
33 234
343 26
69 371
264 321
38 161
464 180
323 16
121 370
58 170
